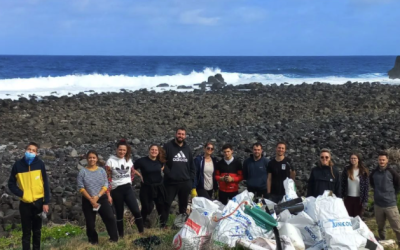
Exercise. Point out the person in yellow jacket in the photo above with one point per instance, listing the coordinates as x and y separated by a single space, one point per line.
28 181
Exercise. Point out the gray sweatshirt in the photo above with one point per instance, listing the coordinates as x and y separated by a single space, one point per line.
386 184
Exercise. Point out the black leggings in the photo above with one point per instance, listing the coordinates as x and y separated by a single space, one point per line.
224 197
124 194
31 222
183 191
147 201
106 214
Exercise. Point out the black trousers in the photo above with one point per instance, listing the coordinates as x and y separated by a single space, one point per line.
204 193
224 197
125 195
258 193
276 198
183 191
31 223
106 214
147 200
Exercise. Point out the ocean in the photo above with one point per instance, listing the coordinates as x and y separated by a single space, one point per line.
21 76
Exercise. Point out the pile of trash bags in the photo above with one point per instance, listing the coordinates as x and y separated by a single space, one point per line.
294 224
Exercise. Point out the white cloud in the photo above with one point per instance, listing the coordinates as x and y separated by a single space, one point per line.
196 17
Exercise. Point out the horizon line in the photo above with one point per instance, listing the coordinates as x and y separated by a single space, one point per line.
194 55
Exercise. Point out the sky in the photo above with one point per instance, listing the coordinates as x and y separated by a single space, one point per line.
200 27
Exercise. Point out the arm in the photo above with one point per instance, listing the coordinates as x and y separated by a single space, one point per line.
396 180
310 185
192 168
269 183
344 182
245 170
12 183
217 174
237 178
45 186
197 166
371 180
337 190
292 171
109 178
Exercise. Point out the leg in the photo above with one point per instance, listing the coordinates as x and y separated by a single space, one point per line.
90 218
146 200
393 216
118 200
130 200
232 194
162 214
380 217
348 204
357 207
36 227
172 191
26 223
183 196
210 193
223 197
108 218
203 193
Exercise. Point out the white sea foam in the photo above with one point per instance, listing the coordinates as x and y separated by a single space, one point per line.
73 84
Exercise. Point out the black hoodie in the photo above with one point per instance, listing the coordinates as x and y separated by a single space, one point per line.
180 163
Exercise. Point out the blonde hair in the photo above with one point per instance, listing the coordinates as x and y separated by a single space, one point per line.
325 150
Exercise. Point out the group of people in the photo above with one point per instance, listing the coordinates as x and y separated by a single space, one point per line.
171 170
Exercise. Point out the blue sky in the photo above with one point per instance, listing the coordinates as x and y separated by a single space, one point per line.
200 27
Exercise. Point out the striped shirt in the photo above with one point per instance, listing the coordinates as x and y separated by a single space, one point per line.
92 180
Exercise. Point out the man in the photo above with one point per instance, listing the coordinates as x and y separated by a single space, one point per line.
279 168
255 172
228 173
181 168
386 183
28 180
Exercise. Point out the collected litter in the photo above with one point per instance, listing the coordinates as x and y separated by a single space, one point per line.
294 224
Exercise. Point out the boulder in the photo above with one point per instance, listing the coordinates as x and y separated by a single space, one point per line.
163 85
395 72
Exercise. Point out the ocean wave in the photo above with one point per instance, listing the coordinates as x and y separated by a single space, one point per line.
72 84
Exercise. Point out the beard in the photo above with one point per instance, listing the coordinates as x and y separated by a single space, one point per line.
179 139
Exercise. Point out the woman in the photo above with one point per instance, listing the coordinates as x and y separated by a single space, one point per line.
355 186
205 183
92 184
324 176
152 189
120 173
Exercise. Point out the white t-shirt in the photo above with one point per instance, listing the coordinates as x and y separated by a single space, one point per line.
121 171
208 175
353 186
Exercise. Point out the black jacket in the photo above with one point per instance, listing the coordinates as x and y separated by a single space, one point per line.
321 179
179 162
364 186
199 180
386 184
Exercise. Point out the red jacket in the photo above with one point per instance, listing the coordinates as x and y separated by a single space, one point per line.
234 170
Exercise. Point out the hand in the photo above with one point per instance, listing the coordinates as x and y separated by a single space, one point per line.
162 169
95 199
110 199
95 205
141 178
194 193
46 208
229 179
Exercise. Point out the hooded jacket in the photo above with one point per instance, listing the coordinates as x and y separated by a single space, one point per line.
119 172
321 179
30 182
179 162
199 180
386 185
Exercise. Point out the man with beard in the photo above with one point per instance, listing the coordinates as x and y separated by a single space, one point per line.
278 170
181 175
255 172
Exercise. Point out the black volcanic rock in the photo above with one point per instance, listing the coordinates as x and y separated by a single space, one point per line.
395 72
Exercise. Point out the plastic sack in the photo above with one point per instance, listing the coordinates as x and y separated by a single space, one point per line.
244 196
294 235
265 244
335 224
194 235
309 229
290 190
236 226
364 231
309 208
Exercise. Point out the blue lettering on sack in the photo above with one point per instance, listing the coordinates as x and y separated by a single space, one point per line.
239 215
312 235
340 224
248 234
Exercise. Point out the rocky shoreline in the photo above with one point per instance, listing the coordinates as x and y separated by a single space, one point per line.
344 118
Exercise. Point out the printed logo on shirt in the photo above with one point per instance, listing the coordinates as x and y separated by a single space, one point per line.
283 166
122 172
180 157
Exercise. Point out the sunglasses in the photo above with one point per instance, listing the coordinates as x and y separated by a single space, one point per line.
209 148
324 157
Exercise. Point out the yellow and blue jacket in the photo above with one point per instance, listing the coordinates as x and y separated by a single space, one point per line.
29 182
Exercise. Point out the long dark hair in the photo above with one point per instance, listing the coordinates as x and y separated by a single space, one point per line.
361 166
123 142
161 157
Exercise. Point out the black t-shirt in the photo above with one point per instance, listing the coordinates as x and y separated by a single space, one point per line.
151 170
279 172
